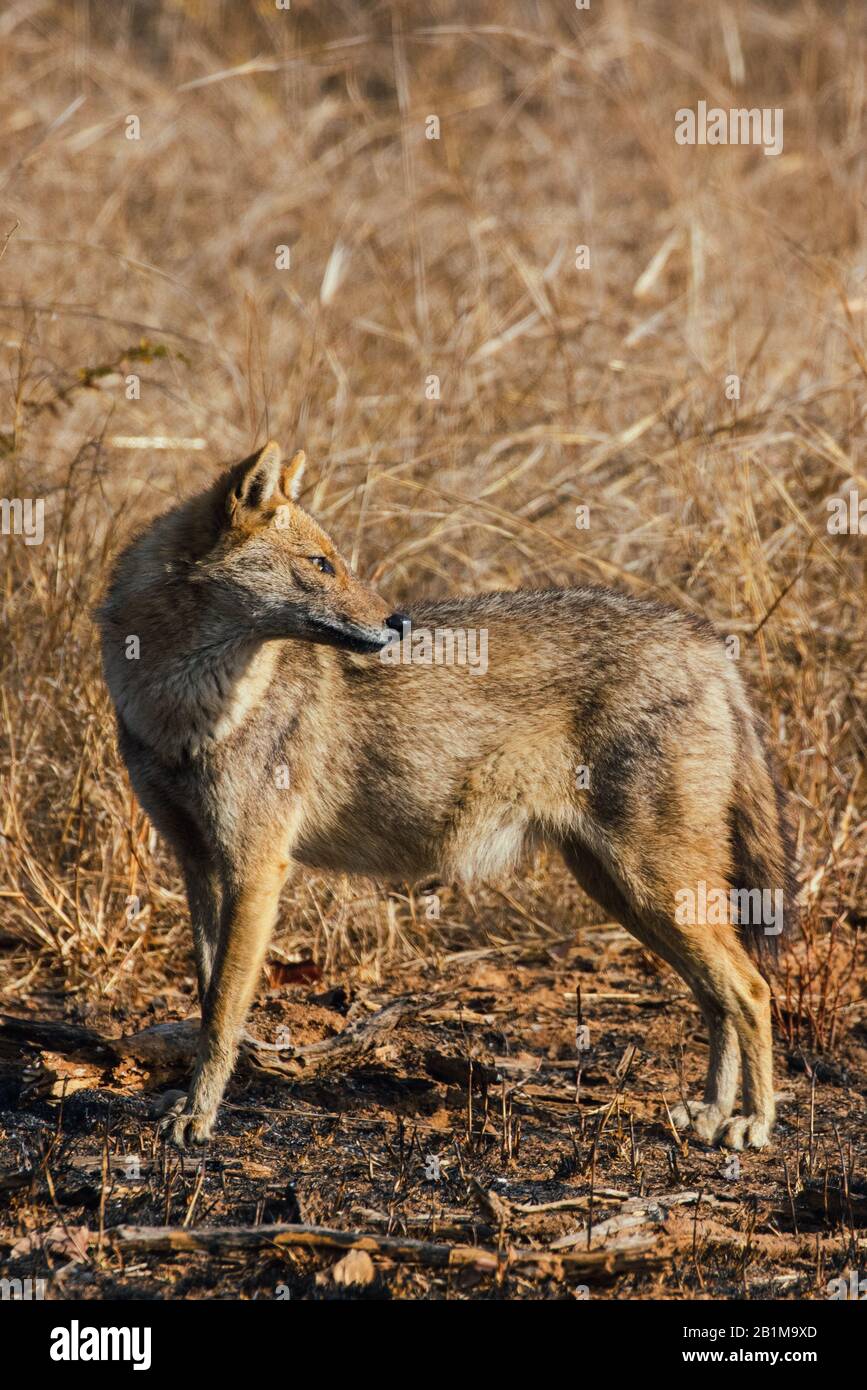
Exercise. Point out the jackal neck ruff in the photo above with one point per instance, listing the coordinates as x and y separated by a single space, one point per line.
195 699
182 677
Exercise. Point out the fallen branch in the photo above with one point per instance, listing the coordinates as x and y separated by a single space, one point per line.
448 1225
599 1264
356 1040
65 1038
460 1071
175 1043
634 1213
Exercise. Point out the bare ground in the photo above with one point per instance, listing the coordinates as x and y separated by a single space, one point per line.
471 1109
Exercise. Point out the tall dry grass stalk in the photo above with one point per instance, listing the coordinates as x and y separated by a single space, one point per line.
413 258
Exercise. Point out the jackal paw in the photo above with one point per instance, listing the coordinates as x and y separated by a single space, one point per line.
183 1127
745 1132
705 1120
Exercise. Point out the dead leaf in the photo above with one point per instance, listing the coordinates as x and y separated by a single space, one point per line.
292 972
72 1244
257 1170
356 1267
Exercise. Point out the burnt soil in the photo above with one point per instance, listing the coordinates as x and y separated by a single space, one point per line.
478 1091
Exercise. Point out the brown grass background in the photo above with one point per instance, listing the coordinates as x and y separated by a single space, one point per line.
559 387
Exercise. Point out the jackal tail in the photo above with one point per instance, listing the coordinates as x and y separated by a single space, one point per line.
762 845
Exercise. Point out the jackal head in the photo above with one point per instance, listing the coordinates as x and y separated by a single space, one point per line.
271 567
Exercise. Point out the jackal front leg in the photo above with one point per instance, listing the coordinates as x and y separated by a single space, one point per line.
249 912
205 900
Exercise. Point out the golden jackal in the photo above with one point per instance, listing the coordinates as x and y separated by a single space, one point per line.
261 731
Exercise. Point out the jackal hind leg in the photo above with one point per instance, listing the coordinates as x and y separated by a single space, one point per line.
705 1116
249 911
752 1129
734 1001
731 995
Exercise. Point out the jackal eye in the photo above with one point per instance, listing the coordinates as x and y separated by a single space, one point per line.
324 566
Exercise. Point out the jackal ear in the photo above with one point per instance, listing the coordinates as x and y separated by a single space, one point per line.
293 472
264 478
255 480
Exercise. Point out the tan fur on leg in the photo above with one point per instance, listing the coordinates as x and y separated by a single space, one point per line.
249 917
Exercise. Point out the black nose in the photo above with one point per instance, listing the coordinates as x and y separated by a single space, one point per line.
399 622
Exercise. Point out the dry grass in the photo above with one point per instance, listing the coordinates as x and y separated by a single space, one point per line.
558 387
